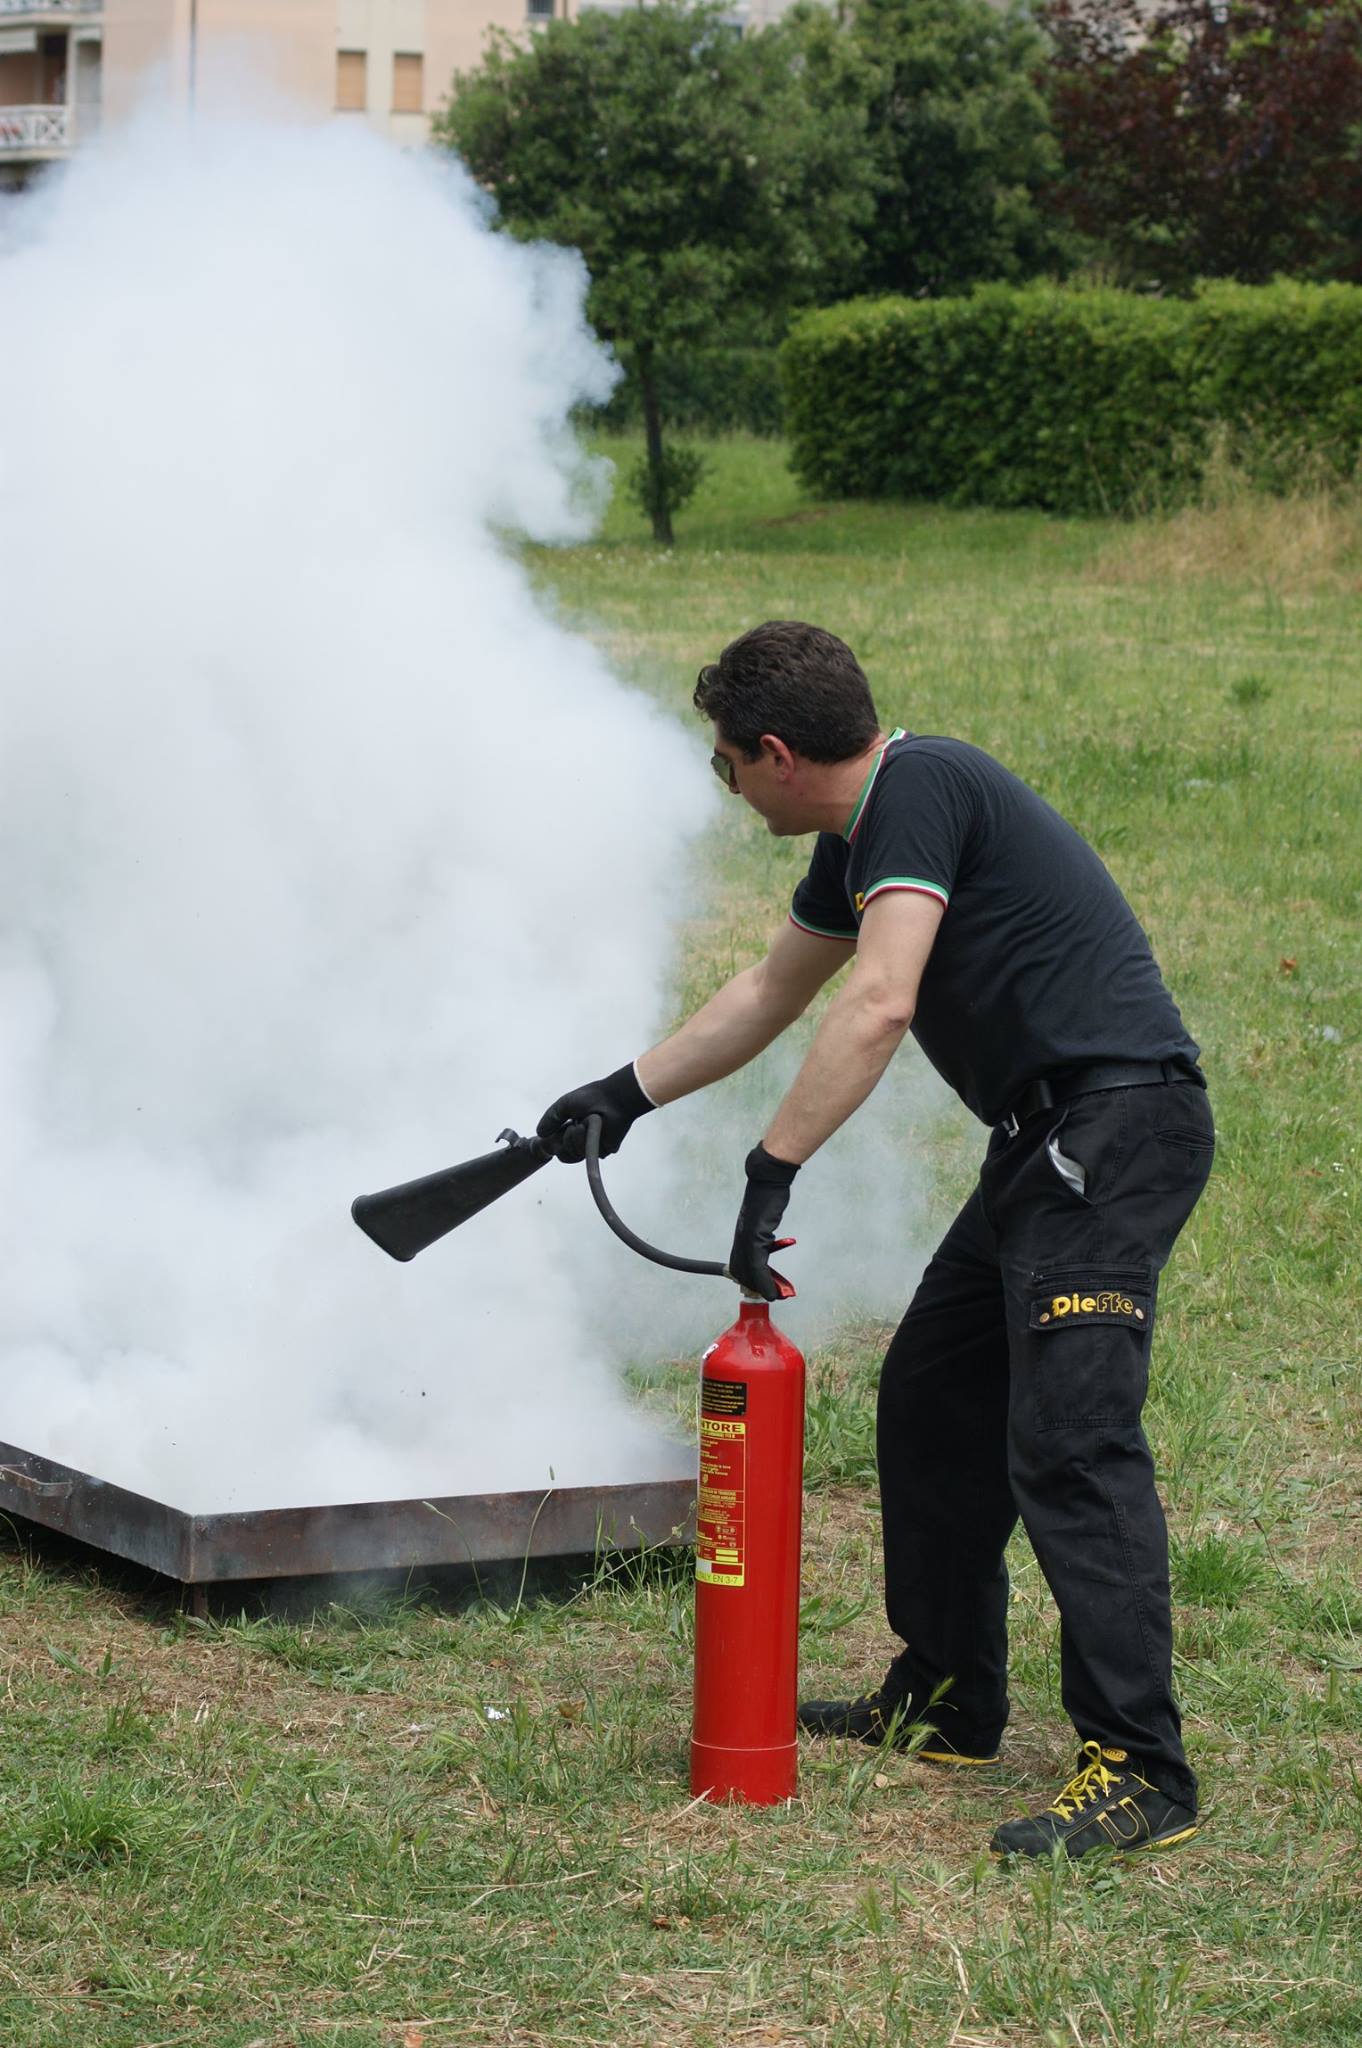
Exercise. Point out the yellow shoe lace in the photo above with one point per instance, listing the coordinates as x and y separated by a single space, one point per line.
1090 1783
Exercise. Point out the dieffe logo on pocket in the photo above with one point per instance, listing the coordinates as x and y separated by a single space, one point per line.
1100 1305
1091 1304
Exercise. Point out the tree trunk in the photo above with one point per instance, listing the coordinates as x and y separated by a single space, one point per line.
652 428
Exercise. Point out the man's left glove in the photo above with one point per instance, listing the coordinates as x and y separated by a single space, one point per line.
769 1181
618 1101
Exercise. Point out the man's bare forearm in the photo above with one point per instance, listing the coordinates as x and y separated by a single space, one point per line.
728 1031
859 1035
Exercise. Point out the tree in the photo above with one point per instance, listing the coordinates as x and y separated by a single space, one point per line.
711 181
963 144
1211 138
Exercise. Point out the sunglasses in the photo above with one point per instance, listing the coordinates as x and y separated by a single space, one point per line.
726 773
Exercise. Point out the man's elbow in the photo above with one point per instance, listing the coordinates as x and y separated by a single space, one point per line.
896 1021
889 1012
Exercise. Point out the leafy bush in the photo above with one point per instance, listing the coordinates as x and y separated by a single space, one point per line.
659 489
1077 400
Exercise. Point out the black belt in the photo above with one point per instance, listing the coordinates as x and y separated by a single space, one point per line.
1050 1089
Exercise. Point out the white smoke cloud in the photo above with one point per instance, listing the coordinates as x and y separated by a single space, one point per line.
327 851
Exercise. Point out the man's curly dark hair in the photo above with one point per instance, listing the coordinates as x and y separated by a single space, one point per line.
793 680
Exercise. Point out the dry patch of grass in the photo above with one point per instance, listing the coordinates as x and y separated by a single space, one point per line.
1307 541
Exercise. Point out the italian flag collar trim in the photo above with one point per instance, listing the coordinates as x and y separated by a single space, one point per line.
853 823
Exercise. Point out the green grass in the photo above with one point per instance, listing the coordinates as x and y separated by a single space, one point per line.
473 1828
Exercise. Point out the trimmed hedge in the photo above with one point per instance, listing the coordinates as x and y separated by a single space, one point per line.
1075 400
1282 364
708 391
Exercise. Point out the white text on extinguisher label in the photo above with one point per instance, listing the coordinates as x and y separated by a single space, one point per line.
721 1511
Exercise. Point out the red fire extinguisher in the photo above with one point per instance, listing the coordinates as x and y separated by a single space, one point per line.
751 1479
747 1535
747 1563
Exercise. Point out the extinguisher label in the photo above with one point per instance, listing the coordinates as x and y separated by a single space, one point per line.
721 1511
723 1397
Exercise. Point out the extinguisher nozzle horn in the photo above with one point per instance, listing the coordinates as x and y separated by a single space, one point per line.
403 1220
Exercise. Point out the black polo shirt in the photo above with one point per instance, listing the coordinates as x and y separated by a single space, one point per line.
1039 965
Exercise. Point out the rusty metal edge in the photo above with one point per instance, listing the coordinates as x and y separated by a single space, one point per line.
275 1543
128 1524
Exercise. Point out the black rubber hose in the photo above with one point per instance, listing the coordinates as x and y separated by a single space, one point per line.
622 1230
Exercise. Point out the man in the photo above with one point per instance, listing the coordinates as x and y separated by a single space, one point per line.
982 922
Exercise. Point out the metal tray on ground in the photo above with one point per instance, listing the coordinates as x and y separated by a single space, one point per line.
203 1551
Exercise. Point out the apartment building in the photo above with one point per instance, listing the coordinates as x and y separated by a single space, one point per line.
66 65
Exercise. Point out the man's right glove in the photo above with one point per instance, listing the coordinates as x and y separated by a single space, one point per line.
618 1101
769 1181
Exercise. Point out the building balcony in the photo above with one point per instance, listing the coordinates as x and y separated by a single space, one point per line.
51 58
35 134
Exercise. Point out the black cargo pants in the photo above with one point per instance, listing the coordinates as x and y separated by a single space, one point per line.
1013 1387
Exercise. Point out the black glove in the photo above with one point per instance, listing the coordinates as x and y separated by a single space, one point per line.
769 1181
617 1101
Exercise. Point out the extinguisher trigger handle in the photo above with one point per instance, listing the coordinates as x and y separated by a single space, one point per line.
787 1292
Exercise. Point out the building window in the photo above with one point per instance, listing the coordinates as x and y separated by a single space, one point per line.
408 84
539 10
19 68
352 81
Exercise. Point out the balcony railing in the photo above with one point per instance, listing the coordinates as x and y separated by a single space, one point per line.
34 131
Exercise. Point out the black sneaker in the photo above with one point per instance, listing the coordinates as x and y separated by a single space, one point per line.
1107 1805
886 1719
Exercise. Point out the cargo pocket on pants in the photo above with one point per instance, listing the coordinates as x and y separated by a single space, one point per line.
1088 1331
